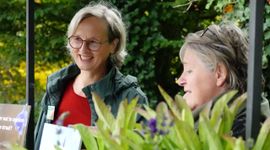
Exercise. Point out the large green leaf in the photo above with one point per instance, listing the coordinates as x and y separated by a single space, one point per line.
239 144
188 135
133 140
170 102
211 139
238 104
219 106
147 113
176 134
109 140
226 122
186 113
263 138
87 137
168 143
131 114
120 119
228 142
103 112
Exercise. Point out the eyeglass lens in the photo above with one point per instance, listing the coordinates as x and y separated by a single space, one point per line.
77 42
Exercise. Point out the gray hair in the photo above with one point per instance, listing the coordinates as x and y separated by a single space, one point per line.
116 27
225 44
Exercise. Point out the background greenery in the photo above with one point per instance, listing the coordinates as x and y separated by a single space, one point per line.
156 31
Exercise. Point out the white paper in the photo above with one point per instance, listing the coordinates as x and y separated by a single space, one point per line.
64 137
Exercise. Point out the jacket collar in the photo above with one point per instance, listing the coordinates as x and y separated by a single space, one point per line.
113 82
105 86
57 82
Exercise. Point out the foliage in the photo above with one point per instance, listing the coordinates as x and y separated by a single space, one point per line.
170 126
156 31
153 42
238 11
9 146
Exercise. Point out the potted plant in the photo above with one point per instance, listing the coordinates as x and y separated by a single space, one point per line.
170 126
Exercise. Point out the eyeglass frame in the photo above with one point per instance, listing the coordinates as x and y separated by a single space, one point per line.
218 48
88 42
207 29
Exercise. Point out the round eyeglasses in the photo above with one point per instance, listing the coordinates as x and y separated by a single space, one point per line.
76 42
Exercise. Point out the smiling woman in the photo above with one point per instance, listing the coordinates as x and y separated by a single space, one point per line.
96 42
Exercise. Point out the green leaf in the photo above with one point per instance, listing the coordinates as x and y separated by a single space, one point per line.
210 139
109 140
131 114
87 137
170 102
219 106
267 50
168 143
238 103
133 140
267 35
150 112
188 135
100 142
176 134
239 144
120 119
226 122
228 142
263 138
186 112
144 113
209 3
126 117
166 96
103 112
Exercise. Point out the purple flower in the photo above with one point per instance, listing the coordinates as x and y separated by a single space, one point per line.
152 124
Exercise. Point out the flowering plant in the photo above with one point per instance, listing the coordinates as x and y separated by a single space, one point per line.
170 126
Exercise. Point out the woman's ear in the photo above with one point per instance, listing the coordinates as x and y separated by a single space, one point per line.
221 75
114 45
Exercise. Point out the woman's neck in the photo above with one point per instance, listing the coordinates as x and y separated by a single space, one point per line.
86 78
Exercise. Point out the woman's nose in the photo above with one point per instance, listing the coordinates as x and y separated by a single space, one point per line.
181 81
84 46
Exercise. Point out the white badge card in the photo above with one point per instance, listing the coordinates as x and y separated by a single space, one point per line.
65 138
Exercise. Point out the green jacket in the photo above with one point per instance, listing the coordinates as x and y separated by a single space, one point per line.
113 88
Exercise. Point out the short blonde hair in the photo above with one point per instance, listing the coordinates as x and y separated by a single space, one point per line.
116 27
225 44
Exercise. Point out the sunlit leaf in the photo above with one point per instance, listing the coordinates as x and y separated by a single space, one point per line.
103 112
218 108
212 140
186 113
87 137
263 136
170 103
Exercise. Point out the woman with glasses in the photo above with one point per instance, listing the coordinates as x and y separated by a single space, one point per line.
96 42
214 61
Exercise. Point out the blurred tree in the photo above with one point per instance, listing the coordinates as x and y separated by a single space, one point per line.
156 30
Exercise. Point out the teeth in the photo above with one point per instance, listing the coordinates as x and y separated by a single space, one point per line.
85 57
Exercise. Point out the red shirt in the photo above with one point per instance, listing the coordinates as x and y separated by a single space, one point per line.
77 106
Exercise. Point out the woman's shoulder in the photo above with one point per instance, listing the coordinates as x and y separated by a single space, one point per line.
70 70
128 85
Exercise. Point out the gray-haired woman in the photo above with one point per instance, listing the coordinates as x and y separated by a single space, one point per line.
96 42
215 61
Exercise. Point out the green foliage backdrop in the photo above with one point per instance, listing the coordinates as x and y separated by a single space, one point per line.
156 31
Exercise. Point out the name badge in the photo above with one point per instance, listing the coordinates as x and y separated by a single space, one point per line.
50 112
